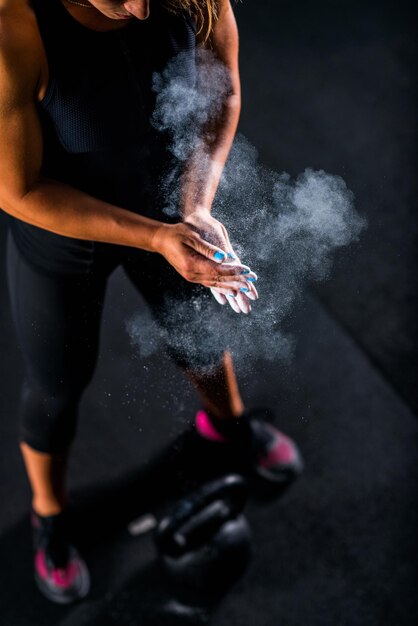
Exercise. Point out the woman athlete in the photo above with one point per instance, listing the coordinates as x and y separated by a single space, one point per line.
79 168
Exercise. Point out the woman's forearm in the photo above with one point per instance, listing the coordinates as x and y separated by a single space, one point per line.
67 211
204 168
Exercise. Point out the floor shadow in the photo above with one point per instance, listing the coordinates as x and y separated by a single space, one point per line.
151 599
98 516
179 469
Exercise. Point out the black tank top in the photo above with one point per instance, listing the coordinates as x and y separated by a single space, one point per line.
95 118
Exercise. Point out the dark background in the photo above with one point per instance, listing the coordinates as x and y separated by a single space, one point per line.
328 85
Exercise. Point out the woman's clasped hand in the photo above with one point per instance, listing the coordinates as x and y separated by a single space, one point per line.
200 250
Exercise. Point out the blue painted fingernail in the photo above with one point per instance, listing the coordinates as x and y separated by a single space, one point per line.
244 289
245 272
251 279
230 295
219 256
231 256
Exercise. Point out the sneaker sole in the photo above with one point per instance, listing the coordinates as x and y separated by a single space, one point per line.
286 475
61 597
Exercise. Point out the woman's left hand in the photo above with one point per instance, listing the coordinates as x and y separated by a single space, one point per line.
215 233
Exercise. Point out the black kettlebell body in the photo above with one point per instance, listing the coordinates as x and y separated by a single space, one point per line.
205 542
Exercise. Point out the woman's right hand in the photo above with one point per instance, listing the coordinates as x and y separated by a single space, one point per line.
197 260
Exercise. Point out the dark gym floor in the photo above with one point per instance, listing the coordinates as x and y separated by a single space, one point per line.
328 85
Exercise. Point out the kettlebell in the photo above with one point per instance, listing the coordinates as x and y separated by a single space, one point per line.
204 543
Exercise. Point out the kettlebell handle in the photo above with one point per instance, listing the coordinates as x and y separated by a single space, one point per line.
196 518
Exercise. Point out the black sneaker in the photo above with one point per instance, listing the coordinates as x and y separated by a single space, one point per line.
60 573
273 455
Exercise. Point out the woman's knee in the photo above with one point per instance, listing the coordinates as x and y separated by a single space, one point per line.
48 417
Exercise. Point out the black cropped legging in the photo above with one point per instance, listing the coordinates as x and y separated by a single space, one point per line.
57 321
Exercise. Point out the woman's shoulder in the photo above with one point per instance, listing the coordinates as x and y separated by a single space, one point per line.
17 22
15 9
21 47
18 26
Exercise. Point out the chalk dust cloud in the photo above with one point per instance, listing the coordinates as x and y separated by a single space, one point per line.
286 229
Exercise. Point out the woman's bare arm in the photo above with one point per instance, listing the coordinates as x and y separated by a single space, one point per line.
205 167
23 193
57 207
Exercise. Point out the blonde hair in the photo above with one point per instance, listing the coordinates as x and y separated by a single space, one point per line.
206 13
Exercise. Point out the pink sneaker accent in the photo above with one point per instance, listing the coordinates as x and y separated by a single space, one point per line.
272 454
283 452
62 585
205 428
40 564
65 578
